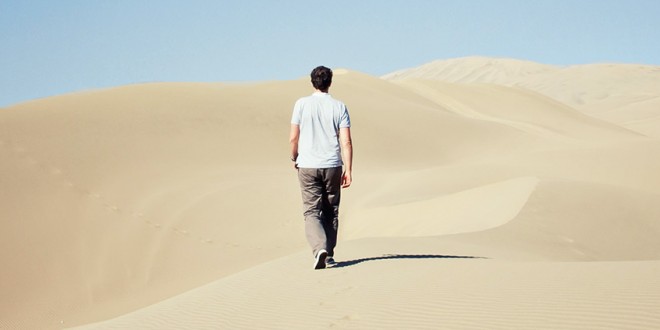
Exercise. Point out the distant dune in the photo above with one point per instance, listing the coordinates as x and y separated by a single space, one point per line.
488 194
625 94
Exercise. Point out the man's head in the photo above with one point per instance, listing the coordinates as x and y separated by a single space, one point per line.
321 78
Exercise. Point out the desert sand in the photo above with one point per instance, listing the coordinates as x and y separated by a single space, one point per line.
488 194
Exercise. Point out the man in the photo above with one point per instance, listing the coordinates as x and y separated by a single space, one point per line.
320 144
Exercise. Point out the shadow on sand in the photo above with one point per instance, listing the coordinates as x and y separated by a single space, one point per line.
348 263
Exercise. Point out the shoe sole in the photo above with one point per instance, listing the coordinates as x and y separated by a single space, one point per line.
320 260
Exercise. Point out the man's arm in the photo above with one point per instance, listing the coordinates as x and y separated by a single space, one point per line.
294 135
346 155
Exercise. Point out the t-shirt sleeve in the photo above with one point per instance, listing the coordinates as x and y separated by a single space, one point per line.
297 113
345 119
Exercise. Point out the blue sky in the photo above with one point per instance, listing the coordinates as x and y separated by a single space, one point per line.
55 47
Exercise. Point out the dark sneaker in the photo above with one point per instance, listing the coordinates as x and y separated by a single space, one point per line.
320 259
330 261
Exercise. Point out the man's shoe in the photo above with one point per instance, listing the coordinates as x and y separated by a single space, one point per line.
330 261
320 259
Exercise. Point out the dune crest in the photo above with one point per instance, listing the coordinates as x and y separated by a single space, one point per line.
474 69
624 94
450 214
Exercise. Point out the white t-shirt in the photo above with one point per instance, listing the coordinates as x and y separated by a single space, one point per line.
319 117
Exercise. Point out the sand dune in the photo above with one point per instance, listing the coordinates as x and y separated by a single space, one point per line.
475 69
489 193
600 90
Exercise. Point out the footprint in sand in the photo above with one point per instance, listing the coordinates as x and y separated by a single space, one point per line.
344 290
179 231
342 322
112 208
567 239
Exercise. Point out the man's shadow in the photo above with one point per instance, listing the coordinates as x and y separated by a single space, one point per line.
348 263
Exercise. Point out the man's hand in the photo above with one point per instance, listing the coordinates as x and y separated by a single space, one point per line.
346 179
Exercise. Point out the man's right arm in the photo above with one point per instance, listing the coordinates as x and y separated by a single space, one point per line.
346 155
294 136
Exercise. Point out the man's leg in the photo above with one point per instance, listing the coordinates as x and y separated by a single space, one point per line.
330 206
311 187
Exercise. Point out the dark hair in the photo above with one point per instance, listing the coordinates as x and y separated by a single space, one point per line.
321 78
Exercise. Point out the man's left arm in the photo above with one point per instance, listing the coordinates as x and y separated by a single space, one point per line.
347 156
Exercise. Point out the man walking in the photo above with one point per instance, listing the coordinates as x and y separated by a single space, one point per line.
320 144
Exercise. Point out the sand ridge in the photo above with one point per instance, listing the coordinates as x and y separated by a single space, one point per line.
613 92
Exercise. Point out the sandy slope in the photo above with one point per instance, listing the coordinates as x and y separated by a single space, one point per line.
415 284
625 94
481 203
